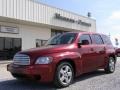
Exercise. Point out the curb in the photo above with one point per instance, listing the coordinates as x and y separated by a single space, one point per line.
5 62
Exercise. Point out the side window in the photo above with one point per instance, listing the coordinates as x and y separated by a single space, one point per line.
96 39
106 40
85 39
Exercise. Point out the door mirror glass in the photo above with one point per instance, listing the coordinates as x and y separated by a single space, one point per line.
84 42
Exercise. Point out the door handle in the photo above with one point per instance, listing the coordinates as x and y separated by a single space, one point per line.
104 49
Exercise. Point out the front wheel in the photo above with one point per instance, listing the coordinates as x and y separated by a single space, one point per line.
64 75
111 65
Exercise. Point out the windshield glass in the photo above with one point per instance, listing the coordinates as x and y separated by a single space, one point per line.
67 38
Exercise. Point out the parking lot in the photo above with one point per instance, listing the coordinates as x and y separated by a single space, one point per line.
97 80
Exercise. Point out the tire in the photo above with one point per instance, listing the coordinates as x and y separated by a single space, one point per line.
64 75
110 66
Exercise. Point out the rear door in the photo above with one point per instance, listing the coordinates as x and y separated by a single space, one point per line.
99 48
108 45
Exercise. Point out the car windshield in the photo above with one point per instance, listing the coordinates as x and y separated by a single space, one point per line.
66 38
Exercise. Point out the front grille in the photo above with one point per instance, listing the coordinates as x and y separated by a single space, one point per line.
21 59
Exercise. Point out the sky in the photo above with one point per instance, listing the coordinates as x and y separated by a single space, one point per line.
105 12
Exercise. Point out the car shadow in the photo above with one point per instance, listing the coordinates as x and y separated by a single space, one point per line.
25 85
31 85
89 75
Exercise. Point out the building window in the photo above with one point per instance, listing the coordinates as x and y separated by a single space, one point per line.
17 44
56 32
1 44
40 42
8 43
9 47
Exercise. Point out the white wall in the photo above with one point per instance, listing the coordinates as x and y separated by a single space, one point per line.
29 34
29 10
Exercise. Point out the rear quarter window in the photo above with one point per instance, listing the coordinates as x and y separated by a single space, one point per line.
106 40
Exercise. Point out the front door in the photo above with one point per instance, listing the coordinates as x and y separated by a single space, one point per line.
87 54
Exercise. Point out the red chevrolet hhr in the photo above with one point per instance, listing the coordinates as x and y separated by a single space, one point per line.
64 57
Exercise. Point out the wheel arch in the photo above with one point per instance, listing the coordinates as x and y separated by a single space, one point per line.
70 61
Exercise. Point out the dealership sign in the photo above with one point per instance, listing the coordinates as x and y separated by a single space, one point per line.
9 29
59 16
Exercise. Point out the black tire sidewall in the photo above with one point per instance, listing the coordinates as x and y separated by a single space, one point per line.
111 58
107 69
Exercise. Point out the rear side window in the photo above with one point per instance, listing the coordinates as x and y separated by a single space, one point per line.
85 37
96 39
106 39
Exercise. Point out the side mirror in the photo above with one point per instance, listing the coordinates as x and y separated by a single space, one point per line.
79 45
83 42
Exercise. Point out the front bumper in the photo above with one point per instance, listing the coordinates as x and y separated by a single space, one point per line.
42 73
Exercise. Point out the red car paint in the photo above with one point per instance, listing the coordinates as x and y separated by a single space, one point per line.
85 58
118 52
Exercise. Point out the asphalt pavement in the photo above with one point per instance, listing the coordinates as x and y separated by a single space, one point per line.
97 80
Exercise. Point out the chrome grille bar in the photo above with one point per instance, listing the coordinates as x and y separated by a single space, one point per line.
21 59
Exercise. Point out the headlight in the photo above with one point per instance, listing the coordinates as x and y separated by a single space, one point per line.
44 60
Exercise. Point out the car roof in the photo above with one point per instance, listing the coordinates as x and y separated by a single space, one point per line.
87 33
90 33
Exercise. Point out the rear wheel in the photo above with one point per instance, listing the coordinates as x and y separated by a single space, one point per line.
64 75
111 65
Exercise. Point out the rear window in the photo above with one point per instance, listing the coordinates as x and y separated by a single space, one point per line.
106 40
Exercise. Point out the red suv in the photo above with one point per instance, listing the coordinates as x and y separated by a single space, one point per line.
64 57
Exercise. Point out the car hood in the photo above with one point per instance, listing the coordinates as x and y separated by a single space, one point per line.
47 49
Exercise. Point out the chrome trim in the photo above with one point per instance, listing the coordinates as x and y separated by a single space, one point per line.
21 59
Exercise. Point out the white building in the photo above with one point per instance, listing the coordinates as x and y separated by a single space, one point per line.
26 23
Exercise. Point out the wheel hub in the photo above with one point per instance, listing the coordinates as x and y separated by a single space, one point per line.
112 65
65 75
